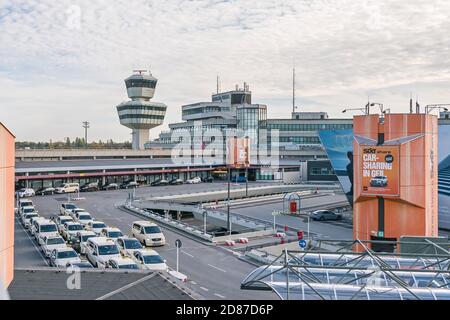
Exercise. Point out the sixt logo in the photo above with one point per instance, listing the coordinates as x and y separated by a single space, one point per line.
370 150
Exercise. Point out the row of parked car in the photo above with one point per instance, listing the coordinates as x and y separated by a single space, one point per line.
72 238
95 186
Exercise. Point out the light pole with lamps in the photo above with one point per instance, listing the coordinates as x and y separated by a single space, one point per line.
363 110
432 107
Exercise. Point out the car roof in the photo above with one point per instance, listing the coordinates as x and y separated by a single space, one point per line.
64 249
145 223
86 232
28 207
25 200
123 260
45 221
148 252
97 221
53 237
112 229
101 240
71 223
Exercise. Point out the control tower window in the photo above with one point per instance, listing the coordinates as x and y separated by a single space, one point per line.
140 83
241 98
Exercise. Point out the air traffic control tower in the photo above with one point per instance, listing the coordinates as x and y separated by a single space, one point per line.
140 114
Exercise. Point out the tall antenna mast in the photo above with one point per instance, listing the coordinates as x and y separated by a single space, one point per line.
217 84
293 89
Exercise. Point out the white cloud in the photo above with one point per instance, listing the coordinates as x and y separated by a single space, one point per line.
63 62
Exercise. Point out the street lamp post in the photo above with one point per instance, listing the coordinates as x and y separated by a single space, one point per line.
228 202
432 107
363 110
86 126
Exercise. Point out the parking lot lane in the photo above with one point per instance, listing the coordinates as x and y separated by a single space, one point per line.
102 206
26 252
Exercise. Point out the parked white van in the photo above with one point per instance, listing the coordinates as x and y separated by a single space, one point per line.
148 233
68 188
99 250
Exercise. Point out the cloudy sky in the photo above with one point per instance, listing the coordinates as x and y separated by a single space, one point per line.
63 62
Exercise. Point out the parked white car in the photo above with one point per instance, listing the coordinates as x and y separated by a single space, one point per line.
68 188
26 219
70 229
32 222
48 244
61 220
194 180
25 192
44 228
111 233
96 226
79 244
149 260
83 217
122 263
65 208
28 209
73 212
62 256
23 203
100 250
128 246
148 233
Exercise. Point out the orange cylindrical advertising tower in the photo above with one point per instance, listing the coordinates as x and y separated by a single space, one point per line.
395 176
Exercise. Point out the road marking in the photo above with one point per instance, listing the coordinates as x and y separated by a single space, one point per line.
32 241
204 289
188 254
217 268
219 295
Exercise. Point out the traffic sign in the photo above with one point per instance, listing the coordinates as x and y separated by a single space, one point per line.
302 243
178 243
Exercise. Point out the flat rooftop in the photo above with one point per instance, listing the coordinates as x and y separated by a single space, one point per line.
116 164
51 284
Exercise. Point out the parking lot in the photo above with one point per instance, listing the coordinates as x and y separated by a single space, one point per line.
213 272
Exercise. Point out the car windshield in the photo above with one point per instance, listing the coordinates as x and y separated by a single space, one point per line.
85 238
129 266
64 220
132 244
75 227
26 204
28 210
152 229
31 215
67 254
114 234
107 249
379 177
48 228
98 225
70 206
84 217
53 241
153 259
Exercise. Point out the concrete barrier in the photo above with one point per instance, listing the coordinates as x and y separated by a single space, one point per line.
247 235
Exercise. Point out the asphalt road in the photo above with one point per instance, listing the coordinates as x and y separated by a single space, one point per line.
339 230
214 272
